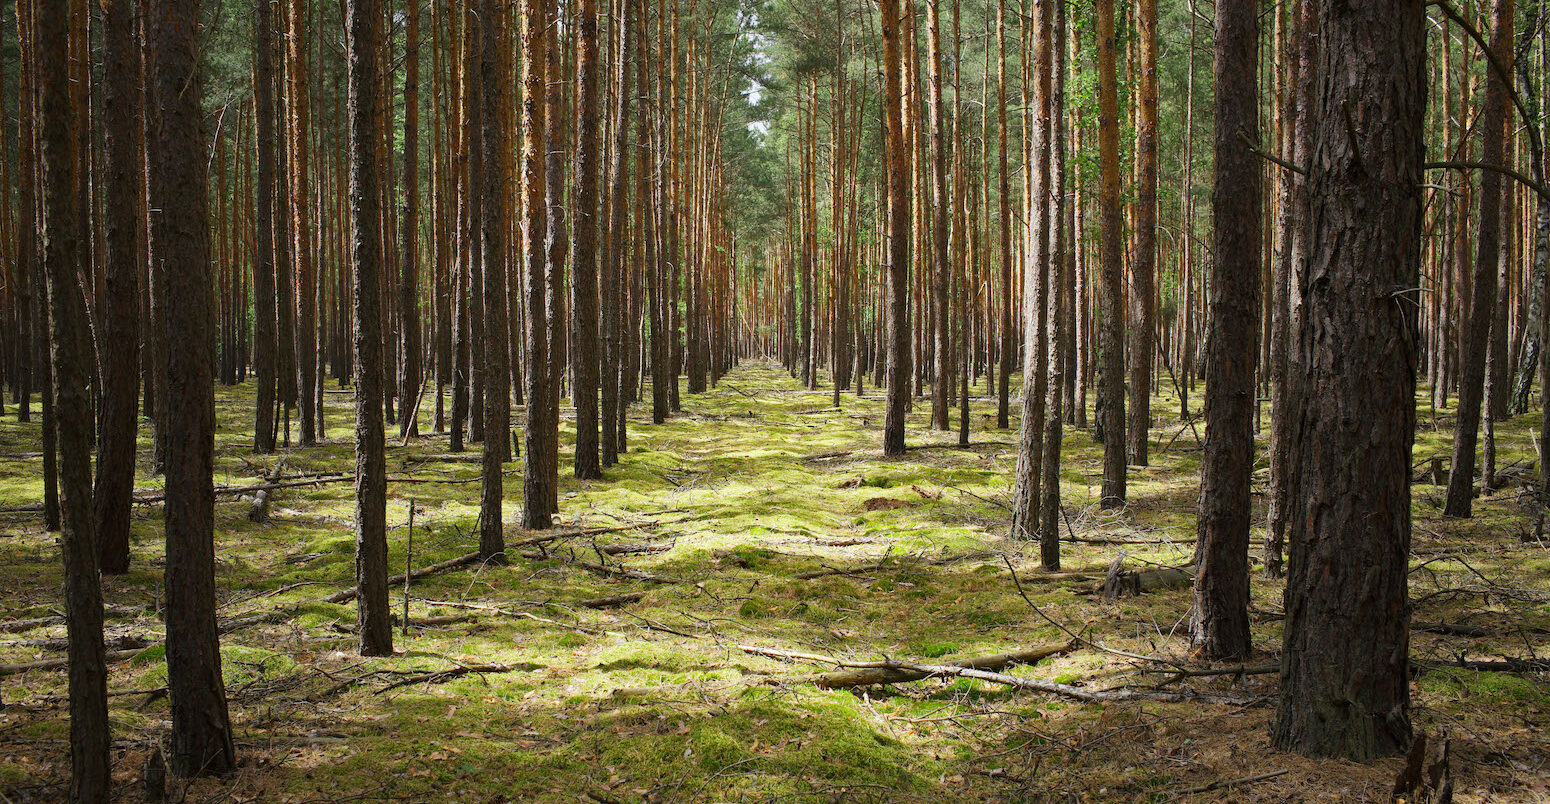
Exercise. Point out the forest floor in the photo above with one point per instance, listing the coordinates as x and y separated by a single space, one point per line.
760 517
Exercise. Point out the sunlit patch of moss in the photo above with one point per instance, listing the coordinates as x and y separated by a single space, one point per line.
644 655
1484 688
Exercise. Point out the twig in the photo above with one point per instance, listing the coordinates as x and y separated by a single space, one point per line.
1225 783
440 676
1068 691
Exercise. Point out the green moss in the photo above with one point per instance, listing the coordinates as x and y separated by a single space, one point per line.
1483 688
656 657
614 701
756 608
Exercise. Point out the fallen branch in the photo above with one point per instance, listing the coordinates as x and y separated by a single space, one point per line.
864 674
627 549
611 601
110 612
604 569
1509 665
1222 784
472 558
1068 691
1114 541
451 563
1237 671
1451 629
54 664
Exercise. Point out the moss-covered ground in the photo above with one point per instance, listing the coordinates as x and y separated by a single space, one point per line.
756 487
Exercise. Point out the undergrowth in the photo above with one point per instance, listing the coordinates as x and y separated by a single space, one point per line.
784 527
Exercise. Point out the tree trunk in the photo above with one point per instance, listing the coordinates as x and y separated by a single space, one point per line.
121 303
1056 297
1345 687
364 41
411 378
497 378
1007 349
264 308
939 267
1482 302
1220 619
1036 283
895 148
70 356
539 475
1143 269
584 197
617 264
1111 337
304 236
1286 372
201 728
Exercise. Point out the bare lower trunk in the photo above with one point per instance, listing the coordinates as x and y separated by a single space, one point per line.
895 148
201 728
364 26
1220 621
1345 687
71 359
1111 336
1482 302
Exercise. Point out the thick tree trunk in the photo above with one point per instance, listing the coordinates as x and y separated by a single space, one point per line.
1036 284
71 358
364 42
201 728
1345 688
1057 297
1220 619
497 378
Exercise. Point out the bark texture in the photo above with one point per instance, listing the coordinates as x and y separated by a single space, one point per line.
119 356
898 233
1345 655
1221 615
364 43
70 357
497 372
1111 291
201 728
